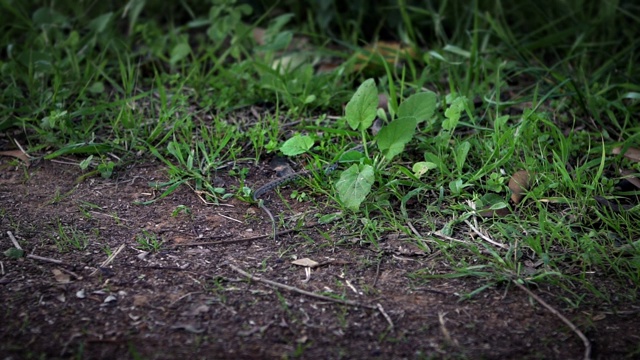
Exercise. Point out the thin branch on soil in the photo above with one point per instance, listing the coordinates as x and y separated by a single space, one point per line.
182 297
410 225
229 218
375 280
107 215
223 242
585 341
445 237
300 291
13 240
78 277
45 259
198 194
485 237
386 316
445 332
109 260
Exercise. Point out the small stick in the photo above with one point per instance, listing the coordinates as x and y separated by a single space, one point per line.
109 260
386 316
375 279
446 237
300 291
78 277
585 341
14 241
445 332
485 237
46 259
410 225
229 218
223 242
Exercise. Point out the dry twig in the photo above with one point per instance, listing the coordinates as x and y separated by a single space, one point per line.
109 260
485 237
386 316
585 341
299 291
224 242
13 240
45 259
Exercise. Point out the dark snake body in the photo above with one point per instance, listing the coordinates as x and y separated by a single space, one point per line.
285 179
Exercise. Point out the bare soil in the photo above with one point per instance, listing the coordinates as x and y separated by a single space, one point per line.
190 300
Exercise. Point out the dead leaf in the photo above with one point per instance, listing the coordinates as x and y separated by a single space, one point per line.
61 277
628 175
258 35
499 212
17 154
391 51
200 309
383 102
306 262
630 153
189 328
140 300
519 184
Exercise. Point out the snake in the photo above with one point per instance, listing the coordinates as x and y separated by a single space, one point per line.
288 178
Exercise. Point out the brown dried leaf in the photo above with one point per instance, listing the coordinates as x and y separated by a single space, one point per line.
392 52
258 35
383 102
499 212
631 153
519 184
306 262
17 154
140 300
61 277
628 175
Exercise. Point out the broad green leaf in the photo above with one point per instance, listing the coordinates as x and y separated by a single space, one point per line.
96 88
421 168
133 10
84 164
278 42
326 219
421 106
299 144
460 154
393 137
99 24
179 52
456 186
361 109
351 156
309 99
499 123
458 51
47 16
452 114
491 201
14 253
174 148
354 185
83 148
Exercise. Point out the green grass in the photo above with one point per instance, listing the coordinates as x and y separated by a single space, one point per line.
543 86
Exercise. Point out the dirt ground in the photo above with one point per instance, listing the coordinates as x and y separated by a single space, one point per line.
193 300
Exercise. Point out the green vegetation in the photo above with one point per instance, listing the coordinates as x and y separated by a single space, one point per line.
148 241
478 91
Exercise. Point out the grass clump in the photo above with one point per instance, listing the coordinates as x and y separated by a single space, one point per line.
475 92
